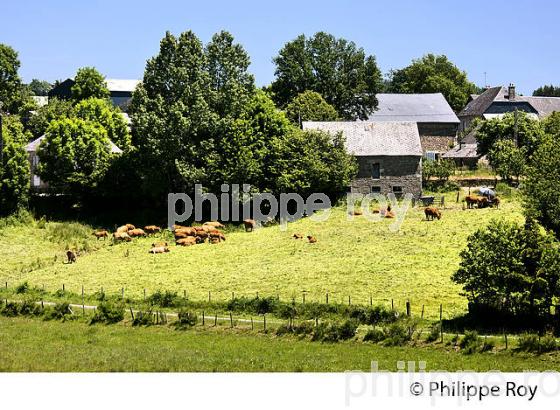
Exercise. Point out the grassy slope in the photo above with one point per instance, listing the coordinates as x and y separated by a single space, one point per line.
356 258
34 345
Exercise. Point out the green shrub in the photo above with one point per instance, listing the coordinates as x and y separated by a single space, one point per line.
487 345
22 288
399 333
164 299
107 313
470 343
434 334
10 309
503 189
100 295
374 335
334 332
144 319
60 311
532 343
185 320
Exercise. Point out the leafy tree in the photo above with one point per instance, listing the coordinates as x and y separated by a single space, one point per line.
172 118
101 111
441 169
89 83
508 266
507 160
542 186
310 106
434 74
529 132
13 94
551 124
55 109
39 87
547 91
14 168
74 155
335 68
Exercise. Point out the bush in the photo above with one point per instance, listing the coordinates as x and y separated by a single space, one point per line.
334 332
487 345
399 333
107 313
185 319
374 335
29 308
22 288
470 343
144 319
532 343
434 333
60 311
371 315
503 189
164 299
10 309
302 329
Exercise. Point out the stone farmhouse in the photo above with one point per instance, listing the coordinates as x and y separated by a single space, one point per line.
389 154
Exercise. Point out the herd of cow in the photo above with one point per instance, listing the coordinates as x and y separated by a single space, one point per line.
481 201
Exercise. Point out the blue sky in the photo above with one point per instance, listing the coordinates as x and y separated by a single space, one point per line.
512 41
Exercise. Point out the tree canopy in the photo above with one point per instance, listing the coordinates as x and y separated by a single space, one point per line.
14 96
89 83
310 106
510 267
55 109
335 68
39 87
547 91
434 74
74 155
507 160
14 167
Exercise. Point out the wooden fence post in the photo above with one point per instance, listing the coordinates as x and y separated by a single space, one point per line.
252 326
63 288
392 305
370 300
122 293
422 316
349 300
408 308
209 296
144 294
327 297
131 313
216 319
232 295
203 318
505 339
231 319
303 297
264 322
441 321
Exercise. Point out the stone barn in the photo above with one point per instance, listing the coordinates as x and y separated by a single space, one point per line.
389 154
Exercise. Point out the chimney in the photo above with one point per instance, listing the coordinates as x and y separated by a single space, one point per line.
511 92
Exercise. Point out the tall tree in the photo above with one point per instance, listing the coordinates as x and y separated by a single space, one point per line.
507 160
310 106
14 95
171 116
89 83
335 68
39 87
434 74
517 127
102 112
74 155
547 91
55 109
14 168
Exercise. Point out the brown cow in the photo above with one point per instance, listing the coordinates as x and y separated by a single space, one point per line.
431 213
158 244
356 213
152 229
188 241
496 202
471 200
297 236
214 224
72 256
249 225
101 234
311 239
389 214
483 202
130 226
133 233
213 234
122 236
159 249
123 228
184 232
175 227
202 235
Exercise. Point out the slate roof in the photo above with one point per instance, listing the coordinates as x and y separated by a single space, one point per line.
34 145
543 106
413 107
365 138
462 151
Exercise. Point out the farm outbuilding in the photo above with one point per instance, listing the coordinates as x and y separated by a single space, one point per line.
389 154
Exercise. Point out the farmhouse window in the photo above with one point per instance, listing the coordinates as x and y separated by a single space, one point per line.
397 189
431 155
375 189
376 170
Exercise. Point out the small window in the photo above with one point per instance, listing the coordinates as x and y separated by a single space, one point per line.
375 189
430 155
397 189
376 170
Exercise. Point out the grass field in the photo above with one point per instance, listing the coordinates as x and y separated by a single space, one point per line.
352 258
35 345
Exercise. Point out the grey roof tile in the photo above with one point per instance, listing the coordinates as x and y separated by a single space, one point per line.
413 107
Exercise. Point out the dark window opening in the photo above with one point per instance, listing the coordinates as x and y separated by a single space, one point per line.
376 170
375 189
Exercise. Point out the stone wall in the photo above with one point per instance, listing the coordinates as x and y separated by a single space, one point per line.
401 171
439 144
